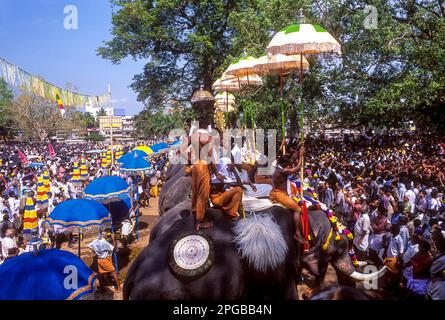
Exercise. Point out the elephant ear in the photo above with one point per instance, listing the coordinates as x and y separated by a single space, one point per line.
191 255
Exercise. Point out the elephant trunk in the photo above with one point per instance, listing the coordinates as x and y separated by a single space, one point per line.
344 265
367 276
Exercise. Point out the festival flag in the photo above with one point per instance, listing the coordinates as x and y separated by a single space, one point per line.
119 153
29 217
75 178
51 151
23 158
60 104
104 162
46 181
84 170
19 78
42 195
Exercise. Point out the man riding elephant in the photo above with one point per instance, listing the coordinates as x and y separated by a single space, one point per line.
255 257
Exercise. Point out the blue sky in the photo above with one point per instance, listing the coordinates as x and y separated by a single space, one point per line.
33 37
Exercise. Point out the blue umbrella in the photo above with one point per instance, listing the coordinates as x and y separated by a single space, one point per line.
135 164
79 213
129 155
36 164
119 210
46 275
159 147
107 189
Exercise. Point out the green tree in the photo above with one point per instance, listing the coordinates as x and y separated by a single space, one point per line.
159 123
386 75
185 42
89 121
94 136
39 118
101 113
6 97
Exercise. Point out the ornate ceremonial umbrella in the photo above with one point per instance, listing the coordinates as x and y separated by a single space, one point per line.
84 171
42 195
81 213
43 275
129 155
280 64
241 67
243 70
300 39
30 224
225 84
225 102
201 95
46 181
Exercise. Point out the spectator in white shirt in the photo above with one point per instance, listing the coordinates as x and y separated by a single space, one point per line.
9 246
362 229
394 256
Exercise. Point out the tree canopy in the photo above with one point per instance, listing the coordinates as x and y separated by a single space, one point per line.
385 76
6 97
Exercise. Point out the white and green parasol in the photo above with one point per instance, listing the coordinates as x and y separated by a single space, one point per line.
280 64
241 67
303 38
300 39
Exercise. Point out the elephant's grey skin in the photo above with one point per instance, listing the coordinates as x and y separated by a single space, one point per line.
176 190
170 181
173 170
169 218
230 277
336 253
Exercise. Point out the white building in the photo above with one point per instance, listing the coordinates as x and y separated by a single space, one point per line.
94 110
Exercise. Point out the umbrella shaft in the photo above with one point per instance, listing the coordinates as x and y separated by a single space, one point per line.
301 122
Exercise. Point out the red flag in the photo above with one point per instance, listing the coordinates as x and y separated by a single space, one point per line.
23 158
51 151
305 224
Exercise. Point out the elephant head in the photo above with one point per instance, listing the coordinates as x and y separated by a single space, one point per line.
334 250
176 190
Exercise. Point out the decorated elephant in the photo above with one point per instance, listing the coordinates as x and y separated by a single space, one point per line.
255 257
176 189
252 258
327 247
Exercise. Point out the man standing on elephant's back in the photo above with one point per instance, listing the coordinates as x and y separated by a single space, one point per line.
201 174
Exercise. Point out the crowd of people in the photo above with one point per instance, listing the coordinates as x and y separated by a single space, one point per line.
19 181
388 189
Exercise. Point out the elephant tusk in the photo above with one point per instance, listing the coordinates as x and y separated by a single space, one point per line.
367 277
